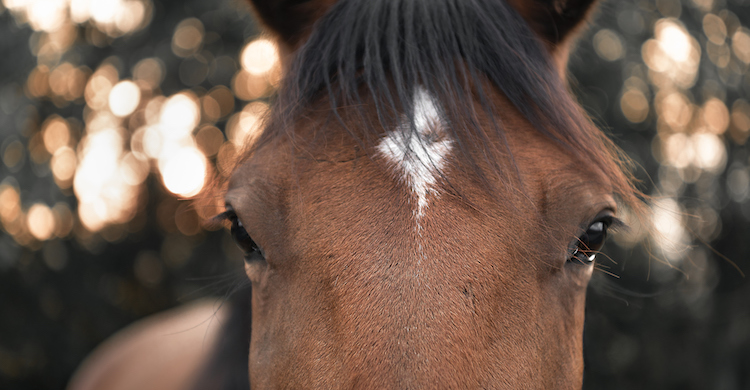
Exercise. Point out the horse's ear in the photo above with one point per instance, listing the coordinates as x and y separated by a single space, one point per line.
555 21
291 20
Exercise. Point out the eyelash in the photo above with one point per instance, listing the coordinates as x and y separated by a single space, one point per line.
239 234
591 241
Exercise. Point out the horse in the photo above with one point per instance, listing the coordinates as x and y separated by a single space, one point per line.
422 209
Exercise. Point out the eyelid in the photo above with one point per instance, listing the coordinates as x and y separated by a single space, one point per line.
227 216
618 224
608 217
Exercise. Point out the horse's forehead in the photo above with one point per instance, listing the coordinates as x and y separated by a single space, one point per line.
418 155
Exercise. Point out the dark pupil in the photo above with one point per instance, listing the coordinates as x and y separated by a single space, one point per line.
593 239
590 242
243 240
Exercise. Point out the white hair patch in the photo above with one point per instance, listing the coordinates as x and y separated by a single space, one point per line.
419 156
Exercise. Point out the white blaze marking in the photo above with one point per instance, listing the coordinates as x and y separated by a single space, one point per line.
419 157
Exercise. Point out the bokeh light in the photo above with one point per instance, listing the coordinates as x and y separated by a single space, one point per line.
41 222
10 204
63 165
184 172
124 98
259 57
56 134
188 37
608 45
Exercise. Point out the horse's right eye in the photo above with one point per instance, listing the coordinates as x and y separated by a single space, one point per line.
242 239
585 248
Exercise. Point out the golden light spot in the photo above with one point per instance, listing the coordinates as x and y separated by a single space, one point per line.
150 70
14 5
715 29
224 98
101 120
101 151
10 204
80 10
225 159
701 150
131 16
188 37
53 44
677 150
55 133
710 152
59 79
248 86
716 115
152 142
133 170
63 165
105 198
38 82
634 105
674 41
211 109
209 140
124 98
184 172
704 5
259 57
13 154
76 83
99 86
674 53
741 44
91 215
741 115
136 144
41 222
243 127
104 12
674 109
179 115
671 237
719 54
152 112
608 45
46 15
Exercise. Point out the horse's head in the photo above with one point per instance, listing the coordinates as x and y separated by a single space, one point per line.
425 204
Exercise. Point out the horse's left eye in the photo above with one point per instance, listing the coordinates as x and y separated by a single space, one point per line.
242 239
590 243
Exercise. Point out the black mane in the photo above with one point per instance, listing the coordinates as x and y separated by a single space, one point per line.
456 50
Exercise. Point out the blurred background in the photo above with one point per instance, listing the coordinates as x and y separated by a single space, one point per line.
114 114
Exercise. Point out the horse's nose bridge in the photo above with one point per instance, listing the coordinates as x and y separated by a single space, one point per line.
409 320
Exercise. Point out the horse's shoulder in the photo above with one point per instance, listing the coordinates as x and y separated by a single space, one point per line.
163 351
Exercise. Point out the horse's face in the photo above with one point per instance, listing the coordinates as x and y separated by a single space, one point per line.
356 289
370 272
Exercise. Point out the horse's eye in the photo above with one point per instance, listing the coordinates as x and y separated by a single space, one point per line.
591 242
242 239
